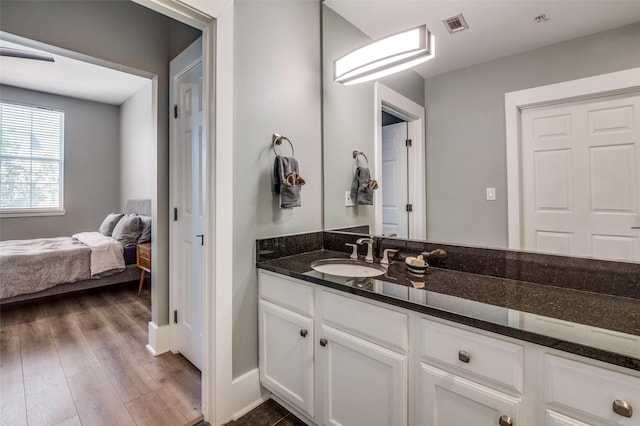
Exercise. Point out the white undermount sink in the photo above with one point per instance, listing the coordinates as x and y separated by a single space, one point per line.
347 268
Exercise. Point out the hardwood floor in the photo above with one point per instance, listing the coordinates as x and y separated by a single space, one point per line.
81 360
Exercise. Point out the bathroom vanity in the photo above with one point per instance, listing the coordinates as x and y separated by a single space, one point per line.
448 348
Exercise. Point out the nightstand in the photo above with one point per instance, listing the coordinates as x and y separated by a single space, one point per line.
143 261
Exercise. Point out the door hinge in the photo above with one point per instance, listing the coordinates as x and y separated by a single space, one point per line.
409 207
408 143
175 316
175 111
175 214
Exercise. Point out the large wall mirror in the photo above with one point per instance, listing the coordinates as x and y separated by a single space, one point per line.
460 181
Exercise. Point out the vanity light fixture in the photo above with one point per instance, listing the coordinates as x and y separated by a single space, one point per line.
385 56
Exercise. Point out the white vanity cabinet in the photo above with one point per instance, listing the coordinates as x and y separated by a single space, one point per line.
360 353
286 340
362 362
577 393
464 378
343 360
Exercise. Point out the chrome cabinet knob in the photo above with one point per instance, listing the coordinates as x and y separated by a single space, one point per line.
464 356
622 408
323 342
505 421
303 333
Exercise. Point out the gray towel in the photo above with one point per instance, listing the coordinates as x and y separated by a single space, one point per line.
359 192
289 194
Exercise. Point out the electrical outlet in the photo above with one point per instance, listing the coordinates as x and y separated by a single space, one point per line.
491 194
348 202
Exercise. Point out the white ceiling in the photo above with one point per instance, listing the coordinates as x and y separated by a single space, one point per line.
68 77
496 28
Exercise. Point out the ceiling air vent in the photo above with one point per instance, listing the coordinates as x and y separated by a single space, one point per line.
455 23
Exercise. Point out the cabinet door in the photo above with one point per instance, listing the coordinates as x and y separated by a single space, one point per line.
362 383
446 399
557 419
286 355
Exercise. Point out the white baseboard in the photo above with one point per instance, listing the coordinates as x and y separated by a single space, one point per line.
159 339
248 393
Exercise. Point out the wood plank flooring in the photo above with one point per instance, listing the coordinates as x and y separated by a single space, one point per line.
81 360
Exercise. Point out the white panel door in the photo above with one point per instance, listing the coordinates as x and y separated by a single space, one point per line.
446 400
189 199
581 178
395 218
286 355
362 383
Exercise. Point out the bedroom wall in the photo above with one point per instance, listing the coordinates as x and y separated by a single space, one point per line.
125 33
91 166
136 146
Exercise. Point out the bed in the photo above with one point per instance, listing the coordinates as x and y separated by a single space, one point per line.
31 269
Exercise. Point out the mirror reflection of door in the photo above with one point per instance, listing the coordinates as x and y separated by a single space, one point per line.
395 182
580 178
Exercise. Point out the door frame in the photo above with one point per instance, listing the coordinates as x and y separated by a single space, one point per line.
613 83
402 107
215 20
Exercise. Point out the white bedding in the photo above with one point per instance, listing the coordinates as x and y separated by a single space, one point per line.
30 266
107 254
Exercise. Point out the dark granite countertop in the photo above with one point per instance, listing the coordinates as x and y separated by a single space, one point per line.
519 309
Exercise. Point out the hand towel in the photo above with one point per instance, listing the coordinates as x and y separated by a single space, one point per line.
287 181
362 186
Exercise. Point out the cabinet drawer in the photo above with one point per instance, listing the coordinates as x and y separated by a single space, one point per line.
493 359
384 326
144 262
288 293
591 390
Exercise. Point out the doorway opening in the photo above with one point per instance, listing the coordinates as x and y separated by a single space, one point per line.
395 176
412 153
159 333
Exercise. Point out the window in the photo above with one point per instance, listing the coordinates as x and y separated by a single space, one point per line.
31 159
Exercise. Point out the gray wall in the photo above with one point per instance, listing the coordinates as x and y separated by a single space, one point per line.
349 120
465 128
276 89
125 33
136 145
91 167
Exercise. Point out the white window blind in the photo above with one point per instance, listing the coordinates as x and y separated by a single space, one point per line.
31 158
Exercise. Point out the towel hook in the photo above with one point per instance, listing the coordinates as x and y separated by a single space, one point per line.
276 139
356 154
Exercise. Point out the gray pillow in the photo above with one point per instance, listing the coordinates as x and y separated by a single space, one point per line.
127 230
109 222
145 229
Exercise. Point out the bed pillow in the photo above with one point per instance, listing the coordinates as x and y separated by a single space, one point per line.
145 229
127 230
109 223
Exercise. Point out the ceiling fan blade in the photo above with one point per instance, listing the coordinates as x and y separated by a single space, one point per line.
24 54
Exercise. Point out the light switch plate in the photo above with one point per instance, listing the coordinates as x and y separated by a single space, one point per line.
348 202
491 194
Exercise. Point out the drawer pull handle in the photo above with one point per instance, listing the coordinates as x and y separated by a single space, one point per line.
622 408
505 421
464 356
323 342
303 333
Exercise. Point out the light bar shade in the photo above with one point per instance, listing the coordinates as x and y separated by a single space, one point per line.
384 57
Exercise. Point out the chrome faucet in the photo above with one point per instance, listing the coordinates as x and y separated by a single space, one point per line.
369 242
